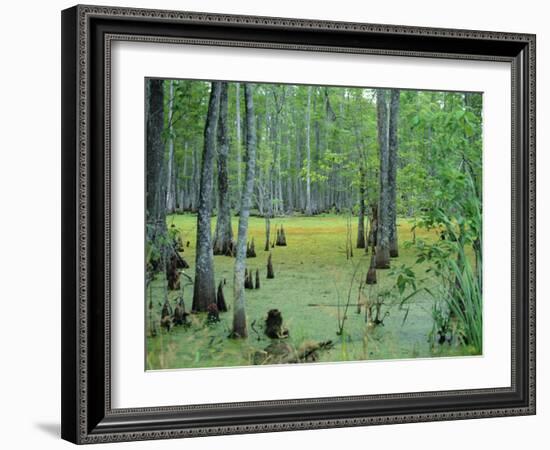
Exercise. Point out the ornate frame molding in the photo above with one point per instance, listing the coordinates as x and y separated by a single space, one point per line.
83 421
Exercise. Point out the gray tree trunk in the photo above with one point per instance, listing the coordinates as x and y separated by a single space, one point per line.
392 171
184 192
279 185
362 160
170 184
204 292
384 223
196 177
308 154
223 241
361 219
238 120
267 233
277 137
290 202
155 199
239 304
298 169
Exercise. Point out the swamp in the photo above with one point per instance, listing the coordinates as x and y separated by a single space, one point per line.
310 224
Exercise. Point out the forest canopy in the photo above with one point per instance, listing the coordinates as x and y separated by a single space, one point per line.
344 199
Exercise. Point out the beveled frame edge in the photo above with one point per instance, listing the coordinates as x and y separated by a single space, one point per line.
76 221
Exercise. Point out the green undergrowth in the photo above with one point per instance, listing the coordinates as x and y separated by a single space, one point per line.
312 277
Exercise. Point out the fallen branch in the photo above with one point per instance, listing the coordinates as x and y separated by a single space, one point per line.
332 305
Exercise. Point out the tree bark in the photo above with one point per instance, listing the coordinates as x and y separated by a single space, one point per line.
279 101
361 219
170 191
155 150
298 170
223 241
267 233
238 120
289 194
392 171
239 305
184 192
362 163
204 292
196 178
383 226
157 234
308 153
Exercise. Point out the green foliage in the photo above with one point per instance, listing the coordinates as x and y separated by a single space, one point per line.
454 262
466 302
404 278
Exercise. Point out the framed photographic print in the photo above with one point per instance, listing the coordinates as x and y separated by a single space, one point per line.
281 224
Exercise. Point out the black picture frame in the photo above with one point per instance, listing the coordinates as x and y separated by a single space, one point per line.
87 32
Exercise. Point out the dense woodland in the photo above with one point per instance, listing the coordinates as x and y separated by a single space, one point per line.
235 170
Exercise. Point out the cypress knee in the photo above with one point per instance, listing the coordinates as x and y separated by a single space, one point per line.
274 325
371 274
166 323
250 249
279 240
172 273
257 279
213 313
220 299
270 272
248 280
180 316
165 309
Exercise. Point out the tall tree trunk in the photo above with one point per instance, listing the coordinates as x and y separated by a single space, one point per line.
155 199
290 202
392 170
238 120
175 184
196 177
361 219
298 165
279 186
223 241
362 161
239 305
308 154
204 292
170 191
384 223
155 146
267 233
315 159
275 165
276 136
184 192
